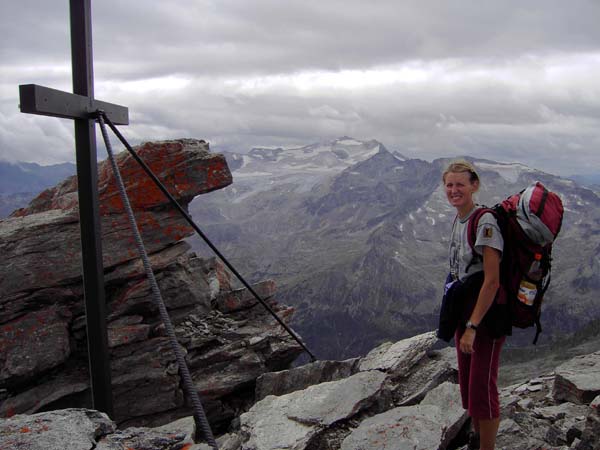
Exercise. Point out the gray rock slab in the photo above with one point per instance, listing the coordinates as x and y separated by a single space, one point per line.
560 411
286 381
447 397
33 343
68 429
142 438
185 426
32 400
429 425
400 356
431 371
230 441
127 334
578 380
158 261
403 428
24 239
508 426
291 420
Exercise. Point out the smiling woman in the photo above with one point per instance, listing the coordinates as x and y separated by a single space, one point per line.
472 286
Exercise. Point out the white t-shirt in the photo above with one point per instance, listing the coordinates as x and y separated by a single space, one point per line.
462 263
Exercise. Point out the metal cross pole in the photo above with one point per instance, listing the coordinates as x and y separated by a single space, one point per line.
81 106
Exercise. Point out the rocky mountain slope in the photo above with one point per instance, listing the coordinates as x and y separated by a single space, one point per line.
356 237
228 341
401 395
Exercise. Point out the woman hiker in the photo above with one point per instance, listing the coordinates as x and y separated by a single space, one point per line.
478 275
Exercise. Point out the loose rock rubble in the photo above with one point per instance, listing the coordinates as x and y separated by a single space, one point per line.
554 411
406 401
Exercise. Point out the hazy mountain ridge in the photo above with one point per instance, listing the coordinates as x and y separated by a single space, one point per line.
591 181
10 202
20 182
361 249
31 177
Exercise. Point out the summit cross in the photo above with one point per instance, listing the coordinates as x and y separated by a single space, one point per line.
82 108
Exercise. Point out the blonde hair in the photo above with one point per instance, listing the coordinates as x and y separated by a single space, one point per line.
461 166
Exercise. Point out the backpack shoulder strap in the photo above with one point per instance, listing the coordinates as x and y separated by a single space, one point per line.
472 232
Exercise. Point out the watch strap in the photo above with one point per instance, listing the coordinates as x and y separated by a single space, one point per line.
471 325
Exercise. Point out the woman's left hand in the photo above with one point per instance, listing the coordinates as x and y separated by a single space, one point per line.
467 340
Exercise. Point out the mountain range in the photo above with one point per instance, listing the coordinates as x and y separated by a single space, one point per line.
356 238
20 182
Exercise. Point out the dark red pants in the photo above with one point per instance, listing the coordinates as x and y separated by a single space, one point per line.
478 376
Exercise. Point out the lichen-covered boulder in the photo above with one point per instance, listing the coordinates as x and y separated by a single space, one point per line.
228 340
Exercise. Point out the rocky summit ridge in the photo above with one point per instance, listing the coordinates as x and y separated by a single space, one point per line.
401 395
228 341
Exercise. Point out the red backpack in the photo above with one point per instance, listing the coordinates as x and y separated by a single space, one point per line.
529 222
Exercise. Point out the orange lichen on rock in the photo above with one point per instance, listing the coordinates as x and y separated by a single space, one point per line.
185 167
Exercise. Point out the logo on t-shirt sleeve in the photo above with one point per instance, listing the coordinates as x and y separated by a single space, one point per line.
488 232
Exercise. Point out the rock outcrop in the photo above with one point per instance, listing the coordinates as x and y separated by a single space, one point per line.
43 350
577 381
401 396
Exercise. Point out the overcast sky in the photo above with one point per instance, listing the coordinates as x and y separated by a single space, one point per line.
506 80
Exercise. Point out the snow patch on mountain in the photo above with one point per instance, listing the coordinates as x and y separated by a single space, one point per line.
348 141
399 156
509 171
331 157
300 169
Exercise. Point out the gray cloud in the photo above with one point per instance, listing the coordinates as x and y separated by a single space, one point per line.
506 80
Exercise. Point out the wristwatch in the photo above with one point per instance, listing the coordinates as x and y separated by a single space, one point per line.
471 325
